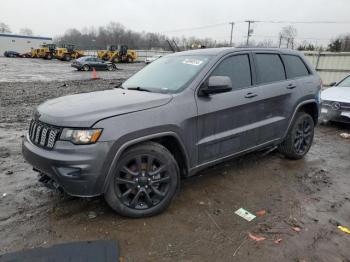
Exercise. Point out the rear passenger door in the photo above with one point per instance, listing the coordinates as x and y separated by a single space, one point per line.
279 95
228 122
98 63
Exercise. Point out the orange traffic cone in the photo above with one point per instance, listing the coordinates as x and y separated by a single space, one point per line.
94 74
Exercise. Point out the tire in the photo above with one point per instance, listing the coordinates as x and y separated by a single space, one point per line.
67 58
299 138
86 67
110 67
129 59
148 185
48 56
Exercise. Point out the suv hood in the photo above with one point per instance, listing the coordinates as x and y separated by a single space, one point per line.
83 110
337 93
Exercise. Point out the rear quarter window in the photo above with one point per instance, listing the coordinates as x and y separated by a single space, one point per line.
269 68
295 67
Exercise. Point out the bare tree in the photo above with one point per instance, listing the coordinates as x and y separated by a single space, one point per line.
288 34
265 43
116 34
4 28
26 31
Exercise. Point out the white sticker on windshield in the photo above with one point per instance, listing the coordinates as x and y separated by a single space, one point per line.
191 61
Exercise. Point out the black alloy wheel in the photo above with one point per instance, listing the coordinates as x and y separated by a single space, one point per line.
299 138
302 138
145 180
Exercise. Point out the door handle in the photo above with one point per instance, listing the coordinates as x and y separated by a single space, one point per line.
250 95
291 86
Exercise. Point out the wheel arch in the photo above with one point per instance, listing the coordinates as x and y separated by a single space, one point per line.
169 140
308 106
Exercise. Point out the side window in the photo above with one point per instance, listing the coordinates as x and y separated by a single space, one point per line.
295 67
236 67
269 68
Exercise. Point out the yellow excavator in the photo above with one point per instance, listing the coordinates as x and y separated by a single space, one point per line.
47 51
118 54
68 52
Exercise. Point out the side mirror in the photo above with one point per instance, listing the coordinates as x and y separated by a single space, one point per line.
333 84
217 84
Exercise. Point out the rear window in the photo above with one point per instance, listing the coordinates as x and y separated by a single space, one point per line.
270 68
295 67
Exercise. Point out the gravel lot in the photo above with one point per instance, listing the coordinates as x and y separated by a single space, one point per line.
311 194
29 70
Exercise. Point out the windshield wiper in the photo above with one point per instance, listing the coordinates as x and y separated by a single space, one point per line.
139 89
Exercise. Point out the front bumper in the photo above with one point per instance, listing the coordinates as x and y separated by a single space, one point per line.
78 169
329 114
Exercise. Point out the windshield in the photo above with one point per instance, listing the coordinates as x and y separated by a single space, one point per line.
345 82
168 74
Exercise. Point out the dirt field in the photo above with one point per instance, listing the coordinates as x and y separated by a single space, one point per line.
304 200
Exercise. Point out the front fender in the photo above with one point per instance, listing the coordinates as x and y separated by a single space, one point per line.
124 143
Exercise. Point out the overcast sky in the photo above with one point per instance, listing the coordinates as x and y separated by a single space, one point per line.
162 16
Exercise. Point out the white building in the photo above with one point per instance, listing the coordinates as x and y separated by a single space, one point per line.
21 43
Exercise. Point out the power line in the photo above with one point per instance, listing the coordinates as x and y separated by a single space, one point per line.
255 21
305 22
194 28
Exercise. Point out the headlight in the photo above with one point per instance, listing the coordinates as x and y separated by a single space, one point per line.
81 137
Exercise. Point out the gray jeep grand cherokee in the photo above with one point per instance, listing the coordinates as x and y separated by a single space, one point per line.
180 114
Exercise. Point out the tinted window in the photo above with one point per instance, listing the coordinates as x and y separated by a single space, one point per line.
237 68
295 67
269 68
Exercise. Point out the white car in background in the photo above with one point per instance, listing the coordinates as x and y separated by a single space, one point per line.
151 59
335 104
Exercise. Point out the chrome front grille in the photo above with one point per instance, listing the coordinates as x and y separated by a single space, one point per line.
336 105
43 135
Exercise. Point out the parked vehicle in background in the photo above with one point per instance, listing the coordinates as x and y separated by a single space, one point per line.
68 52
118 54
87 63
151 59
182 113
47 51
11 54
34 52
336 102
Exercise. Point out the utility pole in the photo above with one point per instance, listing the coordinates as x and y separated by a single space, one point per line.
232 24
249 31
280 41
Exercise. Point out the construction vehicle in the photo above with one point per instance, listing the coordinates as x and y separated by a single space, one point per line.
106 54
117 54
68 52
47 51
34 52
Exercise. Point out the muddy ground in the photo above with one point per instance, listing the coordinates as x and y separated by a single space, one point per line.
312 195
